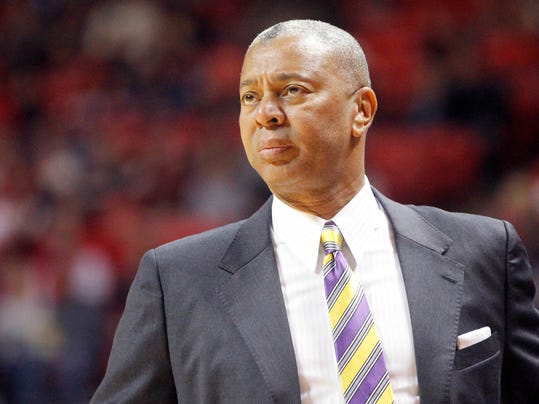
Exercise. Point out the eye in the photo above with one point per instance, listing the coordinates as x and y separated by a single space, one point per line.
292 90
248 98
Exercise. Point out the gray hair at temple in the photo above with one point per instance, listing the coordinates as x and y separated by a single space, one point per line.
350 55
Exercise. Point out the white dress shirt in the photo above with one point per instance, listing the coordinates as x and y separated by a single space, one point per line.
370 250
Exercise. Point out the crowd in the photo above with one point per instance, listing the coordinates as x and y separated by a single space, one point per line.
118 132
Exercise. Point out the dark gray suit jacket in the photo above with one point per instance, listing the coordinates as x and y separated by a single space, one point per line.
205 320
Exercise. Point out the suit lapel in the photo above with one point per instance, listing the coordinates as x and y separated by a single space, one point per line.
434 285
254 300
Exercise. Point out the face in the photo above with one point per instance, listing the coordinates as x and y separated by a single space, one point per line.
302 123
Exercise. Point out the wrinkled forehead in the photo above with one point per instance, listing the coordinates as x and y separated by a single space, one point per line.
286 52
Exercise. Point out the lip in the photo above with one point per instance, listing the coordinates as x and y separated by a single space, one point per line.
272 150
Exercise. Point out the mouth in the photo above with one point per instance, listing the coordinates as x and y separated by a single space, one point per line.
274 151
272 154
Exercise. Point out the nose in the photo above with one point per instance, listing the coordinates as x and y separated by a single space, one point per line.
269 113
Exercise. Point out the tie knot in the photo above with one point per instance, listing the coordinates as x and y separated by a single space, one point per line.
331 238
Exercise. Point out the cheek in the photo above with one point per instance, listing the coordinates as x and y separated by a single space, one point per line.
249 149
324 130
327 147
246 130
247 134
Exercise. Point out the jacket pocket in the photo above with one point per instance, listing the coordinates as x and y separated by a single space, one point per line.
477 353
477 373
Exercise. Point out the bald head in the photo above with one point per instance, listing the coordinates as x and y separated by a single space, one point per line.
347 52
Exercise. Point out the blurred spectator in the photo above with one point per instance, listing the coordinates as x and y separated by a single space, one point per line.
30 336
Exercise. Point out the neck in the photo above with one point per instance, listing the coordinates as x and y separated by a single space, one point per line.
324 204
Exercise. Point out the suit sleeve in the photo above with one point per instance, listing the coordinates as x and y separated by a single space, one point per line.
521 358
139 366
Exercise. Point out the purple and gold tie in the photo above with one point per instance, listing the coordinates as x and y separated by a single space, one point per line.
360 360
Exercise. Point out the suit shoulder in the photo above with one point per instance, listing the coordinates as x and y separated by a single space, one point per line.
436 214
209 243
459 224
452 224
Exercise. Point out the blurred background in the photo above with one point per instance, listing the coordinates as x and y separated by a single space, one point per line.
118 132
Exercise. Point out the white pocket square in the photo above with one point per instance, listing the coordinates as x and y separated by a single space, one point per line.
473 337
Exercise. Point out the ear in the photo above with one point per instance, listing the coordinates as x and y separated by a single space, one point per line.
367 105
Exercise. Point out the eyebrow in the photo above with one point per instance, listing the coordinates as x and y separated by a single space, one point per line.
280 77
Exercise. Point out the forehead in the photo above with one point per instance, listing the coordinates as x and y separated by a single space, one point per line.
287 55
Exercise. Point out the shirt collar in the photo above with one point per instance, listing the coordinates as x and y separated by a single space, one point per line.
356 220
359 219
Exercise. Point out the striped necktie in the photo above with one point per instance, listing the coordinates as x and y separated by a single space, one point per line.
360 360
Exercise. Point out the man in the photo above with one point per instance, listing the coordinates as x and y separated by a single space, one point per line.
239 314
